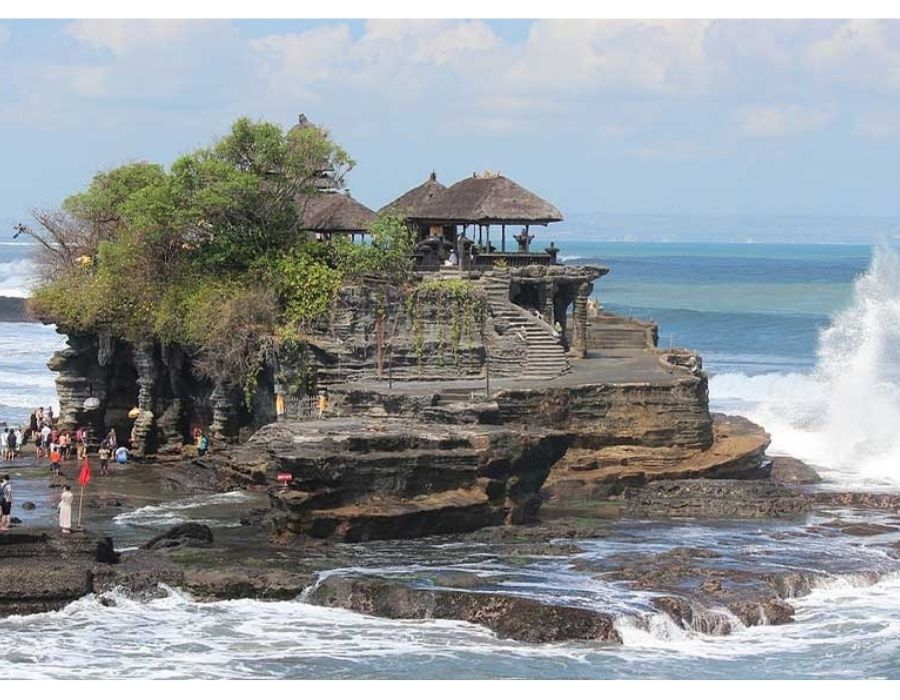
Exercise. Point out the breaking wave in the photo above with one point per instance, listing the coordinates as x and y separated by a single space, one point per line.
844 415
16 278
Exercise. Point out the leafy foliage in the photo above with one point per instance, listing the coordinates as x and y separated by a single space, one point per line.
207 253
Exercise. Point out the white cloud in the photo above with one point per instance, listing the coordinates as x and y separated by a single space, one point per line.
656 56
294 64
863 52
781 119
124 36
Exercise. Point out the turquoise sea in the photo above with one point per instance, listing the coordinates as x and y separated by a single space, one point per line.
800 336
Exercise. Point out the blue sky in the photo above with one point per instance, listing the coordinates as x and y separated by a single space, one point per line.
698 117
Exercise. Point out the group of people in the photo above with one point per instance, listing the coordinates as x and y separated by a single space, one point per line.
10 443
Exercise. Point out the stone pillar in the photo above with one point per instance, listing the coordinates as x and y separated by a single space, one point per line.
143 433
225 403
579 320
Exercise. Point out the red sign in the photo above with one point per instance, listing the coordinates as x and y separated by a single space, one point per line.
84 476
284 477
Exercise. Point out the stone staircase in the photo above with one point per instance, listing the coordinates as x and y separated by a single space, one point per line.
546 357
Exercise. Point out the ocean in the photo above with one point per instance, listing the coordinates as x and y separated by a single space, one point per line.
801 337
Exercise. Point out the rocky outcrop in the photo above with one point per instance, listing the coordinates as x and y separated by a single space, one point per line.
230 582
714 498
41 571
509 617
183 535
737 452
362 479
788 470
159 381
670 413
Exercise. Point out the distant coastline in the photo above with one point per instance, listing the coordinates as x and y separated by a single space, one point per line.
12 310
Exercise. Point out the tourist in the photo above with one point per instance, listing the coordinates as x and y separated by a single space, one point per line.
111 439
65 510
5 502
121 454
11 443
202 444
45 440
323 402
4 443
33 424
103 454
81 443
55 457
20 439
38 444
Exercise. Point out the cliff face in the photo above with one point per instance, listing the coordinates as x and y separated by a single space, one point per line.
158 380
359 479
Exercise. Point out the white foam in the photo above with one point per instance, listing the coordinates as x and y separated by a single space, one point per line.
174 512
844 416
16 278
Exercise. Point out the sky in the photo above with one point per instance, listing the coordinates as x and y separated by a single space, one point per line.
635 116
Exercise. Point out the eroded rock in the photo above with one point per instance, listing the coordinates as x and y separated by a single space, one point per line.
507 616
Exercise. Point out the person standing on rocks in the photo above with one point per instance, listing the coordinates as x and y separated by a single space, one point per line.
5 502
112 439
11 444
202 444
4 443
65 509
103 454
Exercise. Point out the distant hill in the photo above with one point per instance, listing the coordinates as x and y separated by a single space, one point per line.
12 310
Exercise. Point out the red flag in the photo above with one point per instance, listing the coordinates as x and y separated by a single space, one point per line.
84 476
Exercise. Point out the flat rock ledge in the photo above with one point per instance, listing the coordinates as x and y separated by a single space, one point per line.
509 617
714 498
43 570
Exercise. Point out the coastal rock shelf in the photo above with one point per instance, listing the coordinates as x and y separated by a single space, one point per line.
42 571
358 479
510 617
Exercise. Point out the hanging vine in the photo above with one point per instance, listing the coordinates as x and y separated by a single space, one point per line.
459 307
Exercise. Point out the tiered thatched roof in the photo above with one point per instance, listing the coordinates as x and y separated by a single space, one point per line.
410 203
487 199
335 212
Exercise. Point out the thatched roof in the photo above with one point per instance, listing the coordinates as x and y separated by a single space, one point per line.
410 202
487 199
334 212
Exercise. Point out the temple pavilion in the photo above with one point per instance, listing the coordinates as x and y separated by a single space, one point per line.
456 223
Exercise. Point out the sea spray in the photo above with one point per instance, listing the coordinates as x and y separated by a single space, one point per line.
843 416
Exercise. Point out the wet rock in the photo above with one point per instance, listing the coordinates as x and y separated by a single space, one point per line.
42 570
244 582
713 498
15 521
693 616
507 616
139 574
183 535
868 529
788 470
28 505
